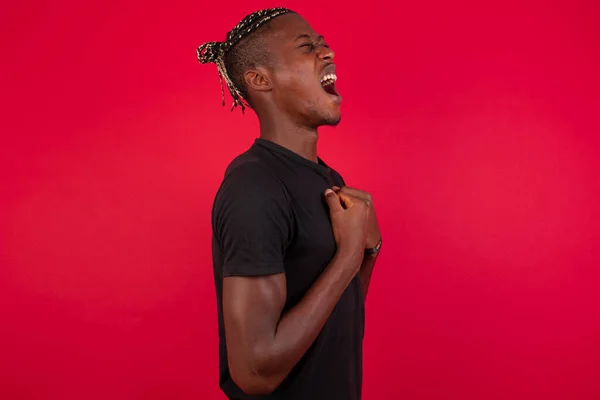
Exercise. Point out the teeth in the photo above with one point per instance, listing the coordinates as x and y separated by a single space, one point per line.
328 79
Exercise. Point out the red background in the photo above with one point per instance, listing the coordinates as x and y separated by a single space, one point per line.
474 125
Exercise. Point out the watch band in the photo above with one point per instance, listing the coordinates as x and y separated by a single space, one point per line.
375 250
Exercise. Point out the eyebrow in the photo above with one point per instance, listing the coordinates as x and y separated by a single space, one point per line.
304 35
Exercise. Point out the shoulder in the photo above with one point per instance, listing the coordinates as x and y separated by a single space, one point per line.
252 175
250 184
251 164
251 204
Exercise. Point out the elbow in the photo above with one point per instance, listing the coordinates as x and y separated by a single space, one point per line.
255 387
254 383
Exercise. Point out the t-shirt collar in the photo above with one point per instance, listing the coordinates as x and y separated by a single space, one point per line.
319 166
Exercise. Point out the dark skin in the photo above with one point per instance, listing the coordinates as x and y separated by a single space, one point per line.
263 343
373 234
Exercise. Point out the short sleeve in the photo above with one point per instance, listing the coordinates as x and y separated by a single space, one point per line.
252 221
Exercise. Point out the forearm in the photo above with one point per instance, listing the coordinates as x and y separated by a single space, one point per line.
366 270
299 327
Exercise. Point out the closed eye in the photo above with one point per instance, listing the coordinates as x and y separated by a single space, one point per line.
308 45
312 46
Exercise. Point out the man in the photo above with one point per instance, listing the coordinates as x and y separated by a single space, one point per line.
293 247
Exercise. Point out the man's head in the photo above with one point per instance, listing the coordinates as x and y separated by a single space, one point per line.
274 62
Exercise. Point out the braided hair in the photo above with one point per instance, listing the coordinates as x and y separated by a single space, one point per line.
216 52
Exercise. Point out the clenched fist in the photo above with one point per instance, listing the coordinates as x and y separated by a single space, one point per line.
349 220
373 233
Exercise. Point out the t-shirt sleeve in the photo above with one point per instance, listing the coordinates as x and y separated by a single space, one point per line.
252 221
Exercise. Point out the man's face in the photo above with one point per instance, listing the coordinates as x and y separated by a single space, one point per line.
303 75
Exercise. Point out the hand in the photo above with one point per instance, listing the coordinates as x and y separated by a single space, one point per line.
349 218
373 233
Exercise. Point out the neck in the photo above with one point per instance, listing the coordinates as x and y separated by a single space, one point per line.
300 140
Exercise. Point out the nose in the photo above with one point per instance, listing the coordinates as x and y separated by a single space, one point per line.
326 54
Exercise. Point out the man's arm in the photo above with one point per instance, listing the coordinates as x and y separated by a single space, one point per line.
262 344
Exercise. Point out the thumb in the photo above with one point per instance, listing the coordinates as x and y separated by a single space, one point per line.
333 201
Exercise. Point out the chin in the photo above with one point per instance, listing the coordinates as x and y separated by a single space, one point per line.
331 115
324 113
332 120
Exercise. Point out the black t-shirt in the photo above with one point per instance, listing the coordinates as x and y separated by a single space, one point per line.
270 216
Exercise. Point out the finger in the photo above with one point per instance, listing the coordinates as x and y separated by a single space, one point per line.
360 194
347 200
353 192
336 188
333 201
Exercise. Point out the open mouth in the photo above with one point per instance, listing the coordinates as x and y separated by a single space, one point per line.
328 84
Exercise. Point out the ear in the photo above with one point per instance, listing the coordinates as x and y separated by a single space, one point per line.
258 79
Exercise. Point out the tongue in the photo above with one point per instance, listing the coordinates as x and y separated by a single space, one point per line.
330 89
